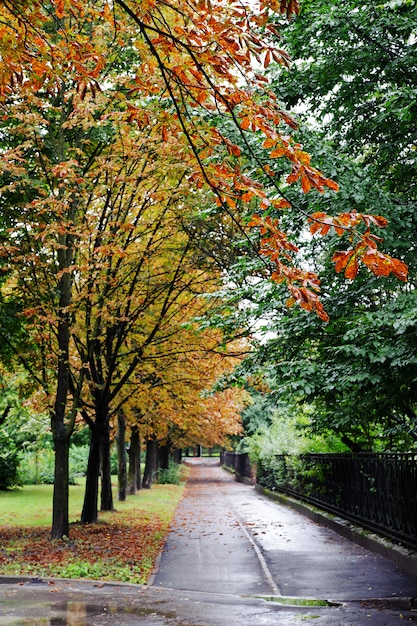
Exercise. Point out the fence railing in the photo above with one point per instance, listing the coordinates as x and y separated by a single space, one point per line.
377 491
238 462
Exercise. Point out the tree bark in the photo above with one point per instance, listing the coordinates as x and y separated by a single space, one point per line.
106 503
60 432
177 456
60 505
89 512
121 457
151 463
163 456
98 462
134 478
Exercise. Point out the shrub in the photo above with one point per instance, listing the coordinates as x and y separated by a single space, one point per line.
36 467
171 475
78 459
8 461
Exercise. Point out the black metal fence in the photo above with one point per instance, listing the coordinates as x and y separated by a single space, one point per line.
238 462
377 491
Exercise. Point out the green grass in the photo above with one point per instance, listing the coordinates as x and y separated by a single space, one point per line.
31 505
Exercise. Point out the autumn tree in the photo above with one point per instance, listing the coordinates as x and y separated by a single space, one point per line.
175 368
58 138
149 286
178 408
40 183
205 55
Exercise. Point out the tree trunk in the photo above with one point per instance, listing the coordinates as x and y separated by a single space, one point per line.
163 456
134 478
106 488
89 512
121 457
151 462
60 513
98 462
60 433
177 456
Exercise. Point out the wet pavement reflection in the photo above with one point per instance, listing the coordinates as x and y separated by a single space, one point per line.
75 613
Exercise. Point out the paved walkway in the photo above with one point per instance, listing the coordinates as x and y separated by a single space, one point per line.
227 538
232 558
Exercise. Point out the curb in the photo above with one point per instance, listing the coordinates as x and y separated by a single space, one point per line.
405 559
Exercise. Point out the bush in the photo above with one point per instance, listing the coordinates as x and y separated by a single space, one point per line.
170 476
78 459
8 461
36 467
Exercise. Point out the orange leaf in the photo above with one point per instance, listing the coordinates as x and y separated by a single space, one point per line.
378 220
399 269
197 75
293 177
382 265
352 267
245 123
341 259
255 220
247 196
305 183
331 184
318 215
60 8
278 152
269 143
281 204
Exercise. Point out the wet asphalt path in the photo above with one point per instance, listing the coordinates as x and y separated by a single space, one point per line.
232 558
227 538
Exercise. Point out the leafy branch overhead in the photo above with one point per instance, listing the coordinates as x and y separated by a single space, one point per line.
364 247
206 54
202 59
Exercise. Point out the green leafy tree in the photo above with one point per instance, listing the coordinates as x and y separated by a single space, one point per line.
354 82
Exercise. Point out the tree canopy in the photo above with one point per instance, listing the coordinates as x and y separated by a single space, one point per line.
130 131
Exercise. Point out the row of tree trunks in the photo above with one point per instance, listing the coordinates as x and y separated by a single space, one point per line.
129 474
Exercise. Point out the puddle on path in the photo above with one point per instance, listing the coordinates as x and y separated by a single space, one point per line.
299 601
84 614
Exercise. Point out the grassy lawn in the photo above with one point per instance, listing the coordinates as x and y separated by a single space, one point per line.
123 545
